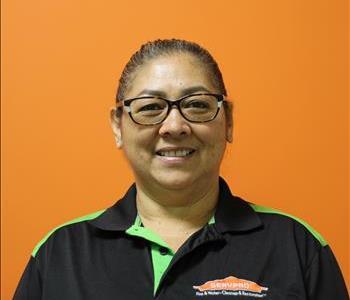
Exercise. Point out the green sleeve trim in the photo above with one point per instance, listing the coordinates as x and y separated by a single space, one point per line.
263 209
77 220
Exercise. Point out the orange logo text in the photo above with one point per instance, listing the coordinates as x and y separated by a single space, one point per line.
231 283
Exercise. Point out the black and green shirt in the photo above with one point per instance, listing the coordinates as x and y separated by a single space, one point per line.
244 252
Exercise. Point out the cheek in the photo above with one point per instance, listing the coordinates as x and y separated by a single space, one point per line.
214 137
137 142
218 147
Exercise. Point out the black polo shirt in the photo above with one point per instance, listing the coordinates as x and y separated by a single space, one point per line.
245 252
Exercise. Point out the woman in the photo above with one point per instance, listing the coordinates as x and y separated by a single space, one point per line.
179 233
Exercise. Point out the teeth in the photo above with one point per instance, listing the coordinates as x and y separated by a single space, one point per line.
177 153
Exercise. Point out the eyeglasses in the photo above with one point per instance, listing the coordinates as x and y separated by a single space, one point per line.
196 108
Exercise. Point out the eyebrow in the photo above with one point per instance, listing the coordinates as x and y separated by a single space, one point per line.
184 92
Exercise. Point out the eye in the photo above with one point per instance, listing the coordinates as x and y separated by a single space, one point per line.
198 103
150 107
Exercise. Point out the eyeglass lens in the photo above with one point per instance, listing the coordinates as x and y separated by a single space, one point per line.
197 108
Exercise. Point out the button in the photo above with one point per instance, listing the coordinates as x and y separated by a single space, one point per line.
163 251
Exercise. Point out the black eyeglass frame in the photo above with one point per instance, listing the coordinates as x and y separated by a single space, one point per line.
127 102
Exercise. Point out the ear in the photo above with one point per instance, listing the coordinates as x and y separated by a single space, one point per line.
116 126
229 121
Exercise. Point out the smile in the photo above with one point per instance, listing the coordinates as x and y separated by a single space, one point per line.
175 153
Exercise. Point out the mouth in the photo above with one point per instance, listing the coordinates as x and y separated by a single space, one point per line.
178 152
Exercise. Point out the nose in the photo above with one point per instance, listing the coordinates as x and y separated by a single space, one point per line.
174 125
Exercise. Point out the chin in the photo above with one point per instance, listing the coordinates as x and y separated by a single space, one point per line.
174 180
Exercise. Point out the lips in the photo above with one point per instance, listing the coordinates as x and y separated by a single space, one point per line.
175 152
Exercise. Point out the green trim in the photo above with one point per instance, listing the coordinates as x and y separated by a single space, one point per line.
263 209
138 230
160 261
212 220
77 220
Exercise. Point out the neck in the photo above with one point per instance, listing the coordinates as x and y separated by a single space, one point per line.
184 210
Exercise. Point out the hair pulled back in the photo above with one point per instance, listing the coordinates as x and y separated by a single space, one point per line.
158 48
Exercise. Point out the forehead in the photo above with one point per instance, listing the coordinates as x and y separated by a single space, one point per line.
172 76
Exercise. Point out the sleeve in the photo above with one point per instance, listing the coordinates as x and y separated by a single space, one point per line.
29 287
324 279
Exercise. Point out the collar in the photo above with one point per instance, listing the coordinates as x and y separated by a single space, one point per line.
232 213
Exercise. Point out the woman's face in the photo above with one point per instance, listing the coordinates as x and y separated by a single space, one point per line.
153 151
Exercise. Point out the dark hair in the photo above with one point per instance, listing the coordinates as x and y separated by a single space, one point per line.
164 47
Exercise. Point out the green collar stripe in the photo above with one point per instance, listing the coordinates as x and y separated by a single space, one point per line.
263 209
212 220
160 261
138 230
77 220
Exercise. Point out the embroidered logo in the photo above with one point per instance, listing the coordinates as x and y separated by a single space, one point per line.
231 286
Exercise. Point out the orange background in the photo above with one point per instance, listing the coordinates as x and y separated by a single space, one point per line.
285 66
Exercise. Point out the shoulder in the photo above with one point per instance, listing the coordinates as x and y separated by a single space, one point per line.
289 237
75 226
280 221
